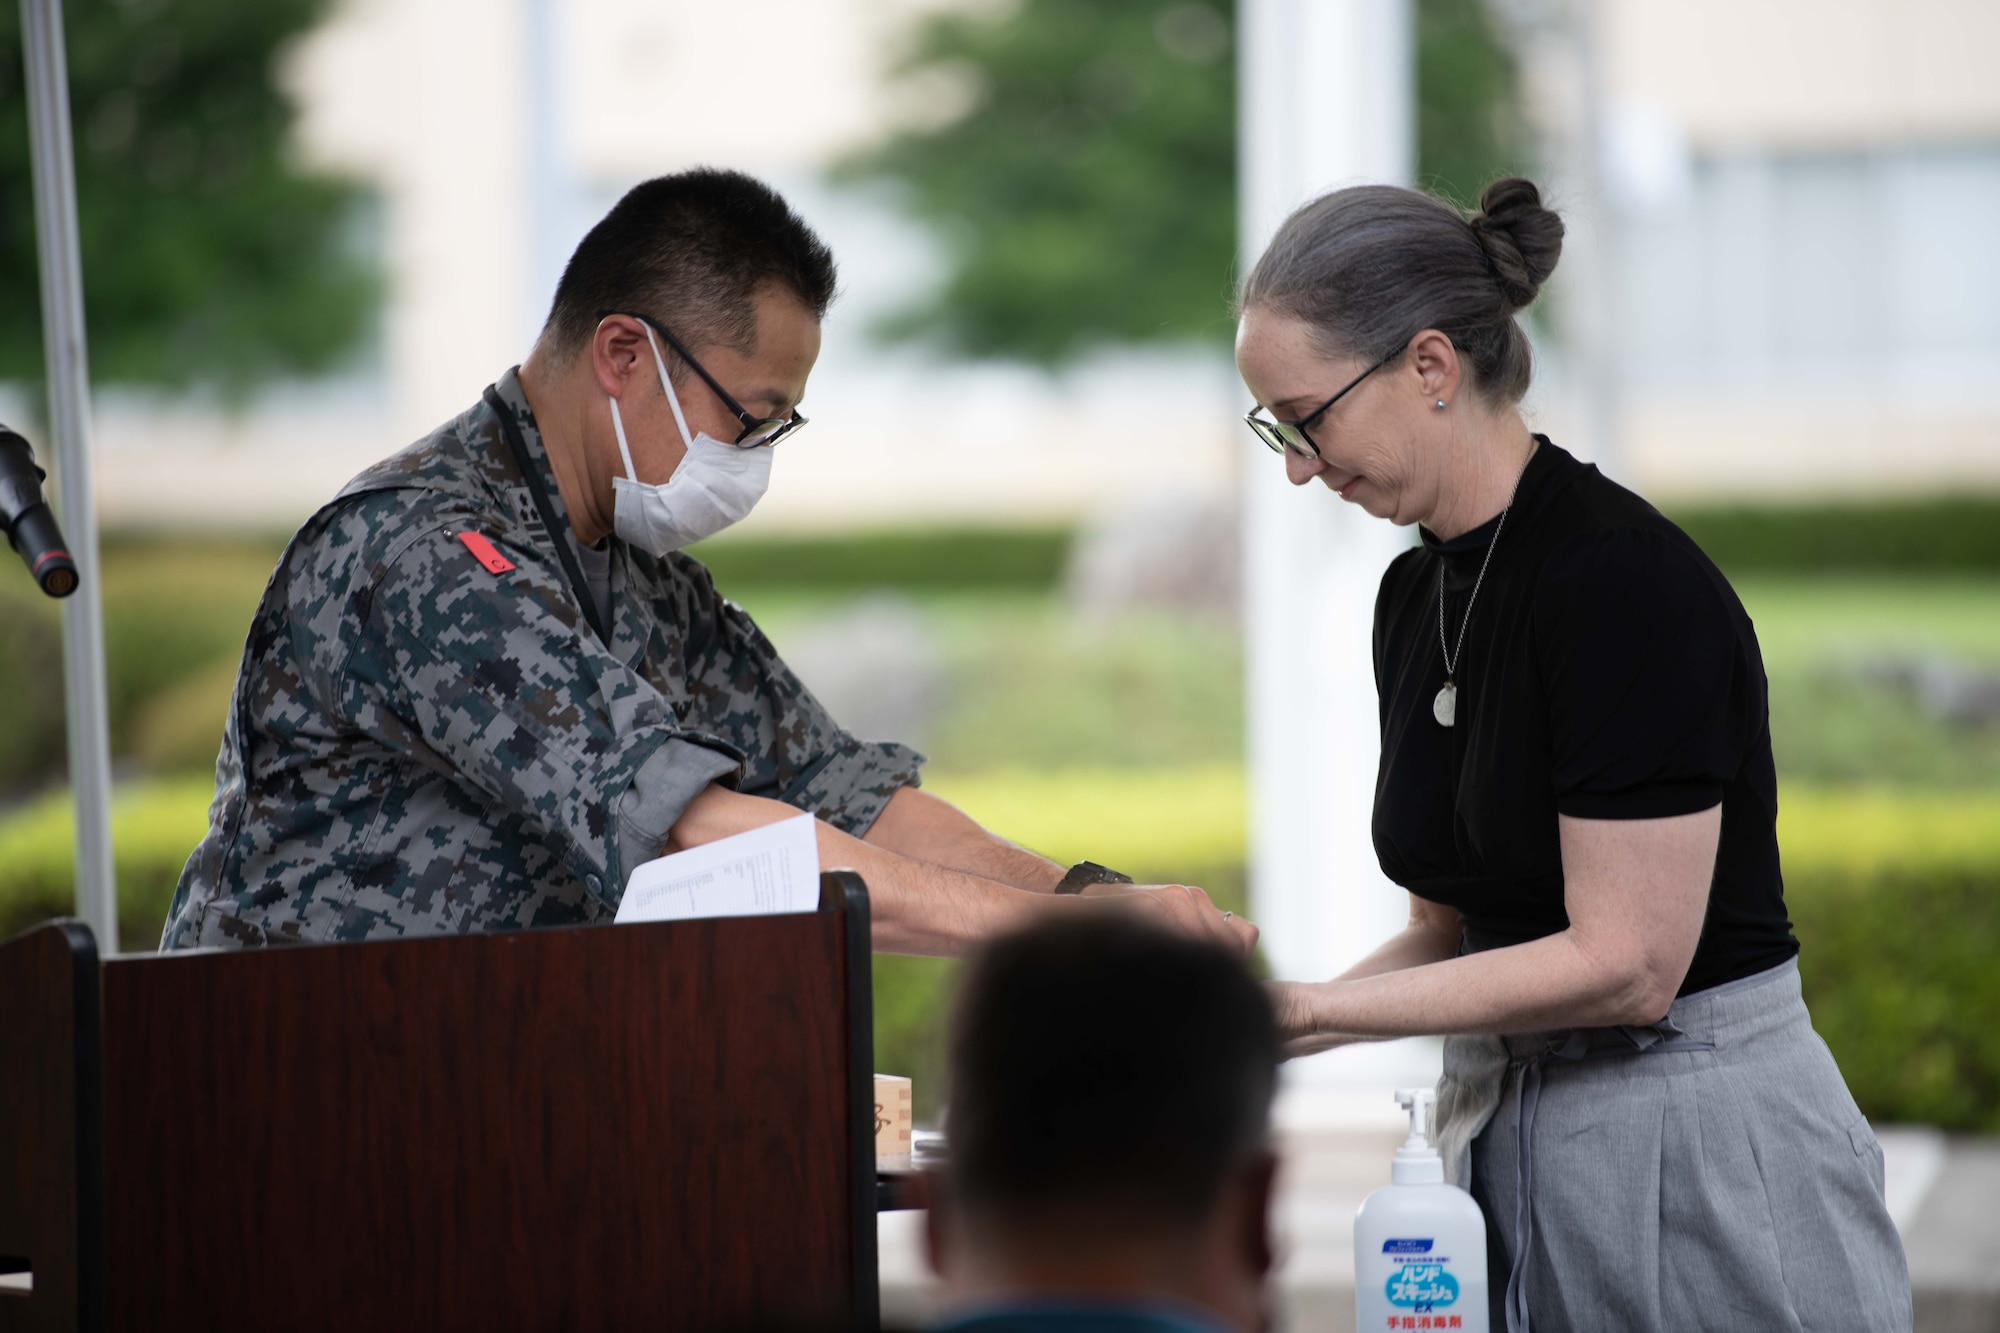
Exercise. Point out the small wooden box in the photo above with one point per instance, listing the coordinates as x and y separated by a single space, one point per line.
892 1116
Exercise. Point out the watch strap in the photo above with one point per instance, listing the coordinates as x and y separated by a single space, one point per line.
1086 873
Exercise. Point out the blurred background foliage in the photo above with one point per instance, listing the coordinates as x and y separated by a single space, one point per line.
1471 128
210 258
1085 195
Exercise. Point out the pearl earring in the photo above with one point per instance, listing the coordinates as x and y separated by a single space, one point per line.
1440 404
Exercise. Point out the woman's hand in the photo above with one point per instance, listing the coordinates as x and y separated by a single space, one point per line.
1299 1032
1304 1025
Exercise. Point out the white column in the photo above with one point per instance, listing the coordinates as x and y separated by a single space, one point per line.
458 230
1325 100
548 190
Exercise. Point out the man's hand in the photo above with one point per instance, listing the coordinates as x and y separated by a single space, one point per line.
1183 908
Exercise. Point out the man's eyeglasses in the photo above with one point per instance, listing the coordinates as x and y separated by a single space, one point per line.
1292 435
757 432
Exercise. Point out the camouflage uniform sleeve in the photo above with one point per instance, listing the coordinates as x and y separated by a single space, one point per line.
796 752
495 678
660 792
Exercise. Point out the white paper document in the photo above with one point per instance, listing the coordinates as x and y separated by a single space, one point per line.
760 873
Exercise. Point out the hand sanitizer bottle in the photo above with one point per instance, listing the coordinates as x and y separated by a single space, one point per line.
1419 1244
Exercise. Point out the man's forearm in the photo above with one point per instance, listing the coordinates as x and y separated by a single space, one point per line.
924 908
923 827
919 907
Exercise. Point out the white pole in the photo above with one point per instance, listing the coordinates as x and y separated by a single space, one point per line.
1325 100
544 177
69 416
1597 323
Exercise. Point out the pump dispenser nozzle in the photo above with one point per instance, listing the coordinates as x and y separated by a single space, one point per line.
1420 1243
1417 1162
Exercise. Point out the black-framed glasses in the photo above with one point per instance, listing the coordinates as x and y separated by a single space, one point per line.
757 432
1283 435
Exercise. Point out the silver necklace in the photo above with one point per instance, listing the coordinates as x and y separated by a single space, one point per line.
1445 706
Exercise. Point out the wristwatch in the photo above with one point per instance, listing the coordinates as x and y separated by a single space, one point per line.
1086 873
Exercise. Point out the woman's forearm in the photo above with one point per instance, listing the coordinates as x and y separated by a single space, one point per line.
1431 936
1547 983
1635 891
1414 945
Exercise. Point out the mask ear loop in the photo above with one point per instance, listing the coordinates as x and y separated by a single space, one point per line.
618 425
667 383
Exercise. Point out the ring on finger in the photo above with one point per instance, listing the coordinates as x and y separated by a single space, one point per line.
1229 916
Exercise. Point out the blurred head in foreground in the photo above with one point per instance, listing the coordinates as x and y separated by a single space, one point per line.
1110 1112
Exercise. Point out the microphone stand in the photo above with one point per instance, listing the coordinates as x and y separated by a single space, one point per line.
54 163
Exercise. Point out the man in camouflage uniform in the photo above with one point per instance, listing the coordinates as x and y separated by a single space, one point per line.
468 702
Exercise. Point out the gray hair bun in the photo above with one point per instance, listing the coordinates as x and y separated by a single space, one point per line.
1522 239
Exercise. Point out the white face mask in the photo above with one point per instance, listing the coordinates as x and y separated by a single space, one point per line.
716 484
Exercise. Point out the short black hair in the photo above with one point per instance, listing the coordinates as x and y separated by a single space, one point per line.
691 250
1102 1066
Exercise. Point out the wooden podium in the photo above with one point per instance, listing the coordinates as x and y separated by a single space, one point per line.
663 1125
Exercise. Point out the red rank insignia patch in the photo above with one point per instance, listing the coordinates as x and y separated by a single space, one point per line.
482 551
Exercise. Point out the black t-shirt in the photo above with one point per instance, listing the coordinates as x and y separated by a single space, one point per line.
1609 672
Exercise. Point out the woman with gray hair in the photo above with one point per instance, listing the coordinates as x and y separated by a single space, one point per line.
1576 788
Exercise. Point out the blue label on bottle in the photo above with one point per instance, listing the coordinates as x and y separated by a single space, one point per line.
1421 1287
1406 1247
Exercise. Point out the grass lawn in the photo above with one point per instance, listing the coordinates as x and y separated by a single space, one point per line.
1834 724
1807 623
1030 684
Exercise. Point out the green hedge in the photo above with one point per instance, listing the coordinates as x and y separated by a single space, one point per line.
1929 536
1957 534
154 826
1901 970
1895 896
175 611
1902 973
940 559
31 682
1939 535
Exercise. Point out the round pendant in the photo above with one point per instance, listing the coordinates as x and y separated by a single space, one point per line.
1445 707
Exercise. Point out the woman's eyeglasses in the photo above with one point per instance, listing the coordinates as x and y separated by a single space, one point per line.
757 432
1292 435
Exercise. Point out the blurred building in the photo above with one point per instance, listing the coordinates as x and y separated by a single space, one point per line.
496 131
1803 197
1795 205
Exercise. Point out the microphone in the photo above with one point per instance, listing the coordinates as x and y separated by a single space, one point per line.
25 517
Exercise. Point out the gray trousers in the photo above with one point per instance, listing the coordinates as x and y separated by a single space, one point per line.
1711 1172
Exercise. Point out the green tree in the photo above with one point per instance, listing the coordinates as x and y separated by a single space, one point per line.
208 256
1087 193
1470 130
